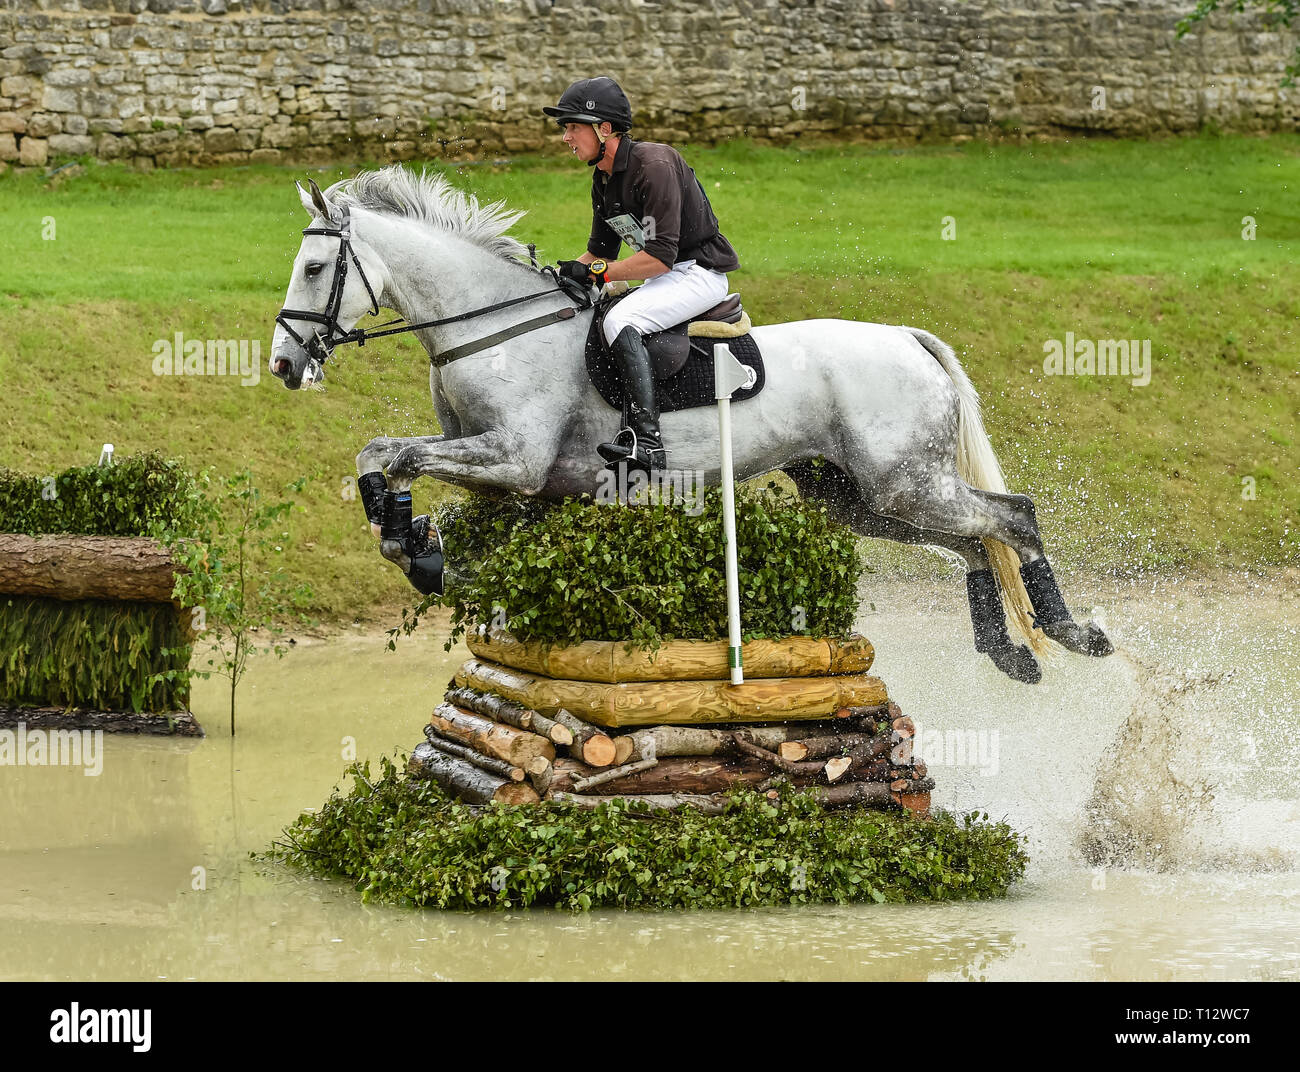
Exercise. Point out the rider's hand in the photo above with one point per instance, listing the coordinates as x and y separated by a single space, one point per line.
575 270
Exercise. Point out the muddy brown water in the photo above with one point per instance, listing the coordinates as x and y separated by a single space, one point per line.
1158 789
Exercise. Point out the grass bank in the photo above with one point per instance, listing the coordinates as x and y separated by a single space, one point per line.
1104 239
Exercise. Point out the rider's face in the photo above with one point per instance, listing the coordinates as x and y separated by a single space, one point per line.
581 138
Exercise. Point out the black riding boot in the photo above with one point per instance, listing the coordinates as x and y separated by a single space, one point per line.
639 444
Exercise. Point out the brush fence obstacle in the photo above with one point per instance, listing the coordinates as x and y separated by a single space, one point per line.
105 604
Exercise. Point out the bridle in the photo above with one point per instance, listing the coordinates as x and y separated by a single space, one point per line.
321 347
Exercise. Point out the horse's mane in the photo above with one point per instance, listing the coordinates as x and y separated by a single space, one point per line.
431 199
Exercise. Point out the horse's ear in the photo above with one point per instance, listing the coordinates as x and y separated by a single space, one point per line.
305 198
318 199
315 202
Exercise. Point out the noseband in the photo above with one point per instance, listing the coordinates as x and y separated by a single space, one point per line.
321 347
317 347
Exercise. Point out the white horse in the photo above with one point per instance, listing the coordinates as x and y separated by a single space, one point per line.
888 408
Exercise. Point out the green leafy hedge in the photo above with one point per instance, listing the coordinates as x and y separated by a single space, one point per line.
402 840
92 653
98 653
586 571
141 495
474 526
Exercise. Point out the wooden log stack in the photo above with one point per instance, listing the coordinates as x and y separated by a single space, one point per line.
670 729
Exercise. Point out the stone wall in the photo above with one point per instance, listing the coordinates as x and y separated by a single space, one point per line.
165 82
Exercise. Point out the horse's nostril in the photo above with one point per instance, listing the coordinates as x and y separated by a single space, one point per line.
282 367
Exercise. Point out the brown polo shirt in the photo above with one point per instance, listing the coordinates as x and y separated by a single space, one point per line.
655 200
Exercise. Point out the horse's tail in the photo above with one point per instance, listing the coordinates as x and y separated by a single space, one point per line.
979 467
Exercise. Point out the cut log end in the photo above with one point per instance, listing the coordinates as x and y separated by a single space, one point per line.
598 751
836 767
916 803
516 793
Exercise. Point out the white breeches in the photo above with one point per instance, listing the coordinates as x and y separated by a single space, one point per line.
666 300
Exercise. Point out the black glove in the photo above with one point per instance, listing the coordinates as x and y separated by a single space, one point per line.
575 270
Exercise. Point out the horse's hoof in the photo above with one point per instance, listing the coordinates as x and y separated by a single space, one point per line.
395 552
1098 642
1018 663
1080 639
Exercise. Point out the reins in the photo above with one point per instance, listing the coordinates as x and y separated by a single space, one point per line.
321 348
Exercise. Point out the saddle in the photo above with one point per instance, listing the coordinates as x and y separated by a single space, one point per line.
681 356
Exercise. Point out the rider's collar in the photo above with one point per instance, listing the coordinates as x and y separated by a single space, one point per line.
623 155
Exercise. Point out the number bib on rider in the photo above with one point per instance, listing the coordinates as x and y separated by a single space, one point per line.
628 228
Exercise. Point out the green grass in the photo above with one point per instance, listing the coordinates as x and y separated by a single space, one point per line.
1107 239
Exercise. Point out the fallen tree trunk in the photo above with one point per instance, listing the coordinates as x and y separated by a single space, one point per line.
707 741
677 702
862 764
490 764
500 710
709 805
867 769
133 568
844 744
662 741
515 746
912 785
674 660
682 774
749 748
875 794
613 774
466 781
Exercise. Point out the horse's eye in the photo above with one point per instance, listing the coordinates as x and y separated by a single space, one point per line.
314 268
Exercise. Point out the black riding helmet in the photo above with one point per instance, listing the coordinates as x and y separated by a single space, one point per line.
595 101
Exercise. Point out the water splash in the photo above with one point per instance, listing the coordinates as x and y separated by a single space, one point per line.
1153 803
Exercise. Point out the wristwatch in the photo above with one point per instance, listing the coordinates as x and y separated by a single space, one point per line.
597 270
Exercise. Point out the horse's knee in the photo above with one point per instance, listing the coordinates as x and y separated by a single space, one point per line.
375 454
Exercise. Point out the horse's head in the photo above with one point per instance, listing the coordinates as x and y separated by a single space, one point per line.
336 281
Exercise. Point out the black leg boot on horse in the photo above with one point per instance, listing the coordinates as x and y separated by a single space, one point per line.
639 444
991 637
1053 617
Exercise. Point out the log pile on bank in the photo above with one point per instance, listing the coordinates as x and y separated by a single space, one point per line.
522 722
90 634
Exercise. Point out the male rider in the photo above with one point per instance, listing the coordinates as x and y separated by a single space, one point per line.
642 193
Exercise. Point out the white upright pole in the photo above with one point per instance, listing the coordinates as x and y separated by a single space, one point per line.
728 375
